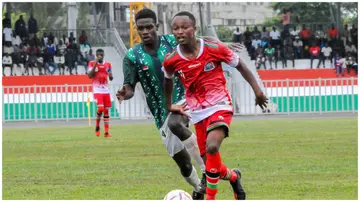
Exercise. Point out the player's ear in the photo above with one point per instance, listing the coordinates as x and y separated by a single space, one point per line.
157 26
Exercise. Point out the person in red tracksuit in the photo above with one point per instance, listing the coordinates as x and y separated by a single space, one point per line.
314 54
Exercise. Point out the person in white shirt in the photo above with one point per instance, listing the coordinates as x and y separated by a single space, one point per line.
326 54
7 35
298 44
237 36
275 37
255 43
7 62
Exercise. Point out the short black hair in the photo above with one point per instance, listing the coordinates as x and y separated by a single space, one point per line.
185 13
99 50
145 13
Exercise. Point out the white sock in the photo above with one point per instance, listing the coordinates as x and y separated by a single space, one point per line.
192 147
193 179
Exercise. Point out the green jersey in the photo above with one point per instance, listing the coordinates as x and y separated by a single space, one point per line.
143 67
269 51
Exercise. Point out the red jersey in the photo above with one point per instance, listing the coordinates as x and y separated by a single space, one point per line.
100 80
315 50
203 78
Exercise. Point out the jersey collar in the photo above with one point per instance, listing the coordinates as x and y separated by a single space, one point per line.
200 52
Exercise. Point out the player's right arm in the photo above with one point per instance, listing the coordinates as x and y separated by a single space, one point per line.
92 68
130 80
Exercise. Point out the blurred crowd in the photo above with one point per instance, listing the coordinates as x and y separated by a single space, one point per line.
23 49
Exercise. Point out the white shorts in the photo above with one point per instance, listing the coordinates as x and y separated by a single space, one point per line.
172 143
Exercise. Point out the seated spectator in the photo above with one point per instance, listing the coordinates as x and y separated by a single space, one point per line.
338 46
71 57
326 53
16 39
275 37
269 54
260 58
8 48
65 40
19 57
59 58
90 56
72 38
320 35
339 64
7 62
355 66
237 36
264 42
354 35
83 37
333 32
265 33
349 62
346 35
298 44
305 35
294 32
84 49
256 42
45 39
351 49
32 60
314 54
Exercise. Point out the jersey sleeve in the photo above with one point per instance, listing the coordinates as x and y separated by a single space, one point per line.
90 66
109 69
167 67
228 56
170 38
130 73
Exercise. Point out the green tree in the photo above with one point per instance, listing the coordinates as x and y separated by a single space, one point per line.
83 12
225 34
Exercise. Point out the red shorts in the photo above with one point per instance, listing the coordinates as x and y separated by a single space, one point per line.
202 128
103 100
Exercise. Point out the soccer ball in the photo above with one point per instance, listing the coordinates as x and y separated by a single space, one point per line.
178 195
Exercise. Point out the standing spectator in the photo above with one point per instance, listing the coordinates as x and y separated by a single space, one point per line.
83 37
350 49
90 56
294 33
269 53
305 34
298 44
16 39
275 37
7 21
326 53
65 40
45 39
285 19
354 35
320 35
7 36
314 54
338 47
288 52
247 36
333 33
20 28
279 56
260 59
339 62
72 38
53 38
265 33
60 56
256 34
236 36
32 26
346 34
71 57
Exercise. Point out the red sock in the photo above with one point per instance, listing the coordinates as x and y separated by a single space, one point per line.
213 167
106 120
227 174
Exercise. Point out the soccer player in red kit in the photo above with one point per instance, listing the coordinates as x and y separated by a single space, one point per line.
198 64
99 71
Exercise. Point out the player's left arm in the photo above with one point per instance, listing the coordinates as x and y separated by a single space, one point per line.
233 60
110 72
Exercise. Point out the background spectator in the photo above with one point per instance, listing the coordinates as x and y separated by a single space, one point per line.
346 34
269 54
326 53
20 28
275 37
354 35
285 19
265 33
279 56
339 62
7 62
298 45
7 36
32 26
7 21
305 34
83 37
333 34
314 54
260 58
72 38
32 52
237 36
256 34
60 56
320 35
289 52
15 39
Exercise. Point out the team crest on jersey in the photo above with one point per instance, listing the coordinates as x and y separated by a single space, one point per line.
144 68
209 66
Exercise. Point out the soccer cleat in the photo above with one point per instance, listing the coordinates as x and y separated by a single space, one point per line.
107 135
203 183
200 194
97 132
197 195
239 192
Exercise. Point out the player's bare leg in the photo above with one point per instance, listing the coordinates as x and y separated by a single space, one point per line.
215 169
98 119
189 173
106 123
179 126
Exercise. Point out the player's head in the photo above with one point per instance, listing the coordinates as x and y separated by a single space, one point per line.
146 25
100 54
184 27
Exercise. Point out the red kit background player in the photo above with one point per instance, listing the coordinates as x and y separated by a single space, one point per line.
199 65
99 71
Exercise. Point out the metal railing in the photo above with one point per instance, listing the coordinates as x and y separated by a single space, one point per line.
68 102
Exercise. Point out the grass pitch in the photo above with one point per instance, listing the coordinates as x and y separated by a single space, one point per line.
280 159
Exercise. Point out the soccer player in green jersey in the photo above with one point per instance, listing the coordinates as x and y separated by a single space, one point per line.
143 63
